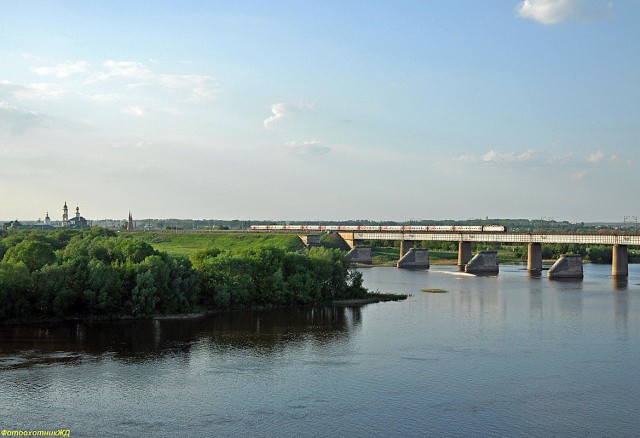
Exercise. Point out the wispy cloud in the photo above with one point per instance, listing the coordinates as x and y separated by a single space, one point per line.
560 159
310 148
131 144
281 110
130 70
557 11
137 74
41 91
577 176
16 119
64 69
595 157
508 157
137 111
127 75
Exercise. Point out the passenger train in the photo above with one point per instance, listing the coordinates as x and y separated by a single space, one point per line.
385 228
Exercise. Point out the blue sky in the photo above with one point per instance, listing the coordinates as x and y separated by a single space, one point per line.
320 110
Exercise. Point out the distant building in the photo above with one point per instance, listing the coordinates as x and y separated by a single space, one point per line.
77 221
130 224
47 219
65 215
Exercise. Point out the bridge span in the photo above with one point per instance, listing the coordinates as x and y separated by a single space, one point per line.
619 243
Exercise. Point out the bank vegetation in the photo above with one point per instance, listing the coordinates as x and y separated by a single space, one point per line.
99 274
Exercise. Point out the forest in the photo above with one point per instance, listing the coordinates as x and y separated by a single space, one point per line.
98 273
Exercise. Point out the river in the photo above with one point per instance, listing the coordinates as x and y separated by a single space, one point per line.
497 356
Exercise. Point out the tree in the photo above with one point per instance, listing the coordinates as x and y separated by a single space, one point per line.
143 296
34 254
132 250
14 291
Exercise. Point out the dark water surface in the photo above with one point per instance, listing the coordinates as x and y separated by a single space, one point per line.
495 356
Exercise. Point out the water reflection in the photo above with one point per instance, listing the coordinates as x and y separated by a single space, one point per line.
620 282
621 305
140 341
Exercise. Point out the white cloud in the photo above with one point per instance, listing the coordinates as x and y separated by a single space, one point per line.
131 144
556 11
596 157
508 157
64 69
137 111
578 175
7 106
41 90
312 148
560 159
16 119
105 97
282 110
113 81
122 69
198 87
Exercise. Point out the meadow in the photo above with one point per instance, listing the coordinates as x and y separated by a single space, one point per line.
185 244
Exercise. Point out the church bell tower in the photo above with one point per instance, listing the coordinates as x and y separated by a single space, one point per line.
65 215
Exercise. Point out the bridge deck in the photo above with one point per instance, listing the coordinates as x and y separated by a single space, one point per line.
592 239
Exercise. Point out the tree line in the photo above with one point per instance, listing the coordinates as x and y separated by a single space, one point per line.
96 273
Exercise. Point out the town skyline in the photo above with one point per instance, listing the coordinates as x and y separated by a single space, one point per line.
291 111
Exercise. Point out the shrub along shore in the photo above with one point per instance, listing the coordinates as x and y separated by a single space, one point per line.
98 273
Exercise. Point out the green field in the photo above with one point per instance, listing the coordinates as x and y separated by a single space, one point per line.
186 244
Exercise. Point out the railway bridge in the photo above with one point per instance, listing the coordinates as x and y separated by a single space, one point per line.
619 243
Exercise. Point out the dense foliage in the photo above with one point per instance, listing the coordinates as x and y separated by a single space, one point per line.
96 273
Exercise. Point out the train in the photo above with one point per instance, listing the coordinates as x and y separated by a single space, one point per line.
385 228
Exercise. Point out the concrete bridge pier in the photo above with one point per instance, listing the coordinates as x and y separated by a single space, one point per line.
568 266
310 240
405 246
620 261
349 239
483 263
464 254
415 258
361 255
534 259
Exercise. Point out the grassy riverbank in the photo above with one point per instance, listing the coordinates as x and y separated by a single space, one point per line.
187 244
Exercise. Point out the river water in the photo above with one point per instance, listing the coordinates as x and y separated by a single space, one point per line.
497 356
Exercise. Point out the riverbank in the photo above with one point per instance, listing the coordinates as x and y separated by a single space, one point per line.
371 299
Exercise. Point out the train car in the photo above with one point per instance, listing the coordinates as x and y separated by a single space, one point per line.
440 228
494 228
415 228
395 228
468 228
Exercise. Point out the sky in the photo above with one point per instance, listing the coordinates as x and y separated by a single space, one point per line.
320 111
